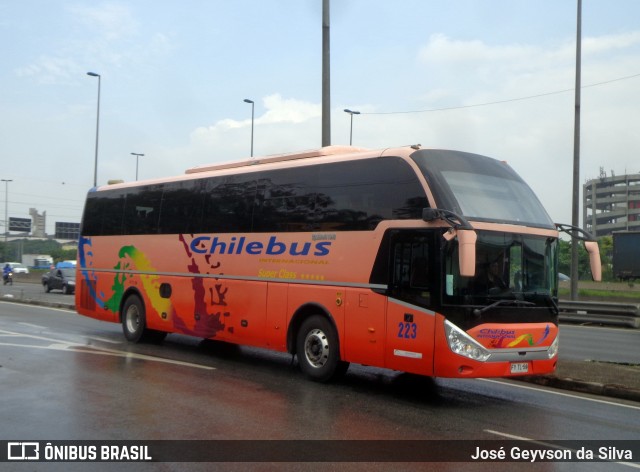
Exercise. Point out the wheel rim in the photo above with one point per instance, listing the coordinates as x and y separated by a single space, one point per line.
133 319
316 348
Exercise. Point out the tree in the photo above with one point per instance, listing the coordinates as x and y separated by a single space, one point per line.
13 250
605 245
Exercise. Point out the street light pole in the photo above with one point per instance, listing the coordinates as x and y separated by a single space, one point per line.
138 156
95 166
246 100
6 206
326 74
575 208
351 112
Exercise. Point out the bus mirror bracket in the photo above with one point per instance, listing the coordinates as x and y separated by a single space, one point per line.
465 233
590 244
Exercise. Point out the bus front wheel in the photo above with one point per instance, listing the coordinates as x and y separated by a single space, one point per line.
318 351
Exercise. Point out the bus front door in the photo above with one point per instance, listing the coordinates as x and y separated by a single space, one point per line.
410 322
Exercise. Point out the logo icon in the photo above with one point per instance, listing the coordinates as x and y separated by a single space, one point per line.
23 451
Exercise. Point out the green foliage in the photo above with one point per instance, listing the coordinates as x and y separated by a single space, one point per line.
619 295
605 244
13 250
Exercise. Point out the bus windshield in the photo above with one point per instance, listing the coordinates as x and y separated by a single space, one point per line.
480 188
508 266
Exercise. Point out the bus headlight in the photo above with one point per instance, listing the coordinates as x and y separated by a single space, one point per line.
553 349
463 344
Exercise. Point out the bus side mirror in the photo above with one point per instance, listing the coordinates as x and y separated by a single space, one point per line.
590 244
594 259
467 237
467 252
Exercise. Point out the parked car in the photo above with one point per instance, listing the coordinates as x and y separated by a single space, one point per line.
60 279
17 267
66 265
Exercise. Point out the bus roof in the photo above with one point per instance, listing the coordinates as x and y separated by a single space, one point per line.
327 152
324 151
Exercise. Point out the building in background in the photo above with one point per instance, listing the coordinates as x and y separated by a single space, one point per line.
39 223
611 204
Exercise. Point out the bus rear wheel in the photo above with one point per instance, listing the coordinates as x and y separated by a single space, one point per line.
133 319
318 351
134 322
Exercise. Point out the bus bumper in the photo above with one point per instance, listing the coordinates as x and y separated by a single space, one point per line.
495 351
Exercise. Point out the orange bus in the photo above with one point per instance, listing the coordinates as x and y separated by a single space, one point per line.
434 262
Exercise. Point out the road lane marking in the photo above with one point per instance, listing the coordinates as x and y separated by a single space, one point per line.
562 394
554 446
95 338
58 345
32 325
104 340
41 307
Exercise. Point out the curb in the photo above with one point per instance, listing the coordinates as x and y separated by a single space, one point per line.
577 385
65 306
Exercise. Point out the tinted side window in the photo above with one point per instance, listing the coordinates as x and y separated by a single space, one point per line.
142 210
357 195
181 210
228 204
412 271
287 200
103 213
342 196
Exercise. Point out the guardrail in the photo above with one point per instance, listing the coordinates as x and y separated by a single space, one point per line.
620 314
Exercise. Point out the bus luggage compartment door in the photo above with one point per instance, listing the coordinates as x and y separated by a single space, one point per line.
364 327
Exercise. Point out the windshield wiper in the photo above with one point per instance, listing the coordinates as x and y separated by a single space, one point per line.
479 311
551 303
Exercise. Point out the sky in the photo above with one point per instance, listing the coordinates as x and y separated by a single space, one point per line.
492 77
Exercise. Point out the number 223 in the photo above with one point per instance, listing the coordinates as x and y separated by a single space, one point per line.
407 330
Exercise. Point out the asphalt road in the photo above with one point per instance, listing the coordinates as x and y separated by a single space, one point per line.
600 343
64 376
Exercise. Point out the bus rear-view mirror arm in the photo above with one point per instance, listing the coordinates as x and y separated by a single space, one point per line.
453 219
465 233
590 244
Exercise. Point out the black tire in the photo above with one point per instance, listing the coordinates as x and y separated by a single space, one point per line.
46 287
65 289
318 350
134 321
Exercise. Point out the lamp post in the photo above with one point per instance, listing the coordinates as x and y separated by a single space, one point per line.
6 206
351 112
246 100
138 156
95 166
326 74
575 207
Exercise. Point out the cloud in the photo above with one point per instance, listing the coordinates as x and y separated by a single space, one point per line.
49 69
442 49
290 110
278 111
112 21
610 43
109 38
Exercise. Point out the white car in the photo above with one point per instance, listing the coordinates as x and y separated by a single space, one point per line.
17 267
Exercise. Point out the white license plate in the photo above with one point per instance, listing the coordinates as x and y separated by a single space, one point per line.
519 367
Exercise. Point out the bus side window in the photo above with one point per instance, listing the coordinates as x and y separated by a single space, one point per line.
411 279
419 273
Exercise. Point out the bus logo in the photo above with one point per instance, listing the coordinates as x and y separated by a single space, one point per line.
243 245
